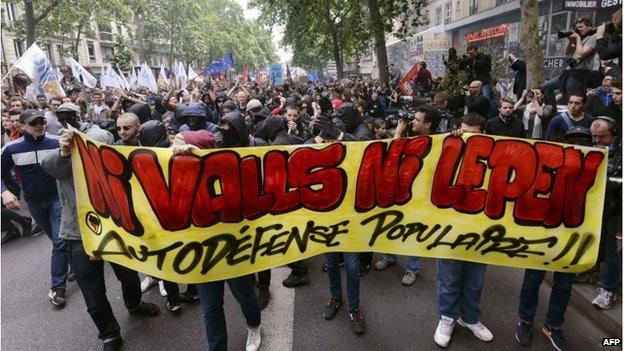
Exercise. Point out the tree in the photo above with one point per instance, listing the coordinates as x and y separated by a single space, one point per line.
334 28
122 55
399 17
532 52
67 20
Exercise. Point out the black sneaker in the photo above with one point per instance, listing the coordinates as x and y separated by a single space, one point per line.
556 338
264 296
331 308
174 308
35 231
187 297
357 322
293 280
57 297
146 309
524 333
364 269
113 345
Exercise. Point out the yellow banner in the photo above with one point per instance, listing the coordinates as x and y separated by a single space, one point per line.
227 212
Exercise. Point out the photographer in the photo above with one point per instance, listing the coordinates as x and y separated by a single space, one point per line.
480 67
581 47
609 40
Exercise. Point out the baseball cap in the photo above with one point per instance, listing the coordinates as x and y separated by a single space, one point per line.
253 104
30 115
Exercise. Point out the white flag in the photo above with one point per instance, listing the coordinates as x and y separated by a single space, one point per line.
124 80
191 73
146 79
87 78
180 73
39 69
133 79
111 79
162 77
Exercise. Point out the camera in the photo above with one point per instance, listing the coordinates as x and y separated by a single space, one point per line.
530 94
566 33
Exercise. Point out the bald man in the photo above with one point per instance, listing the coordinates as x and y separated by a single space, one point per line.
476 102
128 129
604 132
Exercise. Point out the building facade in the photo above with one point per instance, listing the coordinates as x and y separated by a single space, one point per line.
493 24
92 52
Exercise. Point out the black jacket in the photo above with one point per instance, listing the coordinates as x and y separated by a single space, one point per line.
520 80
481 68
497 126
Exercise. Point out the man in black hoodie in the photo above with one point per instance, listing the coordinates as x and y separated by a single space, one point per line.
257 114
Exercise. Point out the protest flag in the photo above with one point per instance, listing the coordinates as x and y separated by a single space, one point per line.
78 71
38 68
146 78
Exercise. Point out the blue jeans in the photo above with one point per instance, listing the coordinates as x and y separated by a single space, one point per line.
412 263
459 289
559 296
486 90
48 215
90 279
610 262
211 298
352 264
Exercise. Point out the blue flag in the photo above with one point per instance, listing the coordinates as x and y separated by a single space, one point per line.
312 76
227 61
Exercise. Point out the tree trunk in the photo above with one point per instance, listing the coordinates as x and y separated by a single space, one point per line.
337 55
380 40
29 18
76 43
529 41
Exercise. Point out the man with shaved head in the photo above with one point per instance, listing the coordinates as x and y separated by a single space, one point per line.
476 102
128 129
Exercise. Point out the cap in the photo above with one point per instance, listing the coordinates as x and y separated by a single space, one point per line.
253 104
580 131
230 105
30 115
68 107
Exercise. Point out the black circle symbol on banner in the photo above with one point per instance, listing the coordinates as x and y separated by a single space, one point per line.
94 223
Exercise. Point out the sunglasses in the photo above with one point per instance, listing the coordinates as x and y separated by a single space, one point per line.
37 122
125 128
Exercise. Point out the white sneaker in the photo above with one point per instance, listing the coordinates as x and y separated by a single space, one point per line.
604 299
147 283
253 339
444 331
161 287
478 329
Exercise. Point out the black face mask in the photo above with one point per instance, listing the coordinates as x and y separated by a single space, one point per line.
69 119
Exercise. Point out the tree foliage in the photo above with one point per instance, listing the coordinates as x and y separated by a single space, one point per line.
122 55
320 30
200 32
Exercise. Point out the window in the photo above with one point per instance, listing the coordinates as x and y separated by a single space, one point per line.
10 10
458 9
474 7
91 50
448 12
18 45
556 46
438 16
47 48
105 31
119 30
106 50
501 2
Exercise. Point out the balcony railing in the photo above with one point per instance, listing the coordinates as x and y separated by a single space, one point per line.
107 36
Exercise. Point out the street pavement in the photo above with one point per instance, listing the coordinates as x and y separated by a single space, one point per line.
397 317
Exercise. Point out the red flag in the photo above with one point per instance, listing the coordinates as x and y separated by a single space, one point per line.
404 85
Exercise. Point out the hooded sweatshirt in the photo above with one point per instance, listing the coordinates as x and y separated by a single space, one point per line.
238 133
143 111
153 134
197 109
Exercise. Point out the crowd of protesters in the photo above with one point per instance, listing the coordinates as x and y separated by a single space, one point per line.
213 112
